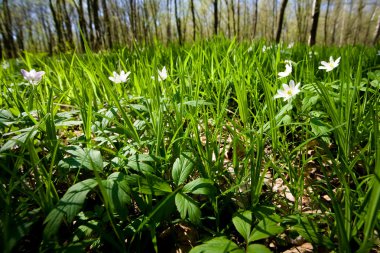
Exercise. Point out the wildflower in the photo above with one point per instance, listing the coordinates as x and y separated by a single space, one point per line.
33 77
264 48
288 71
162 74
328 66
119 78
291 44
5 65
288 91
378 52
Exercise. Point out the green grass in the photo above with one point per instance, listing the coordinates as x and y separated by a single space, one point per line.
206 157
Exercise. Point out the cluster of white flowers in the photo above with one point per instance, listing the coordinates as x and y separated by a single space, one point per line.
289 91
123 76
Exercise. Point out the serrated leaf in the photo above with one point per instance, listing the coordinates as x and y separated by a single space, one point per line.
200 186
242 222
118 191
182 168
217 245
187 207
257 248
267 227
68 206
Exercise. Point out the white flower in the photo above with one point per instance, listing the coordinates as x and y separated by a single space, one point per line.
119 78
264 48
288 71
288 91
291 44
328 66
5 65
378 52
163 74
33 77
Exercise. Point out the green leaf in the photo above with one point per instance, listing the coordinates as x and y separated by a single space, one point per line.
319 128
187 206
200 186
149 184
88 158
69 206
267 227
242 222
117 190
257 248
19 139
217 245
182 168
197 103
310 231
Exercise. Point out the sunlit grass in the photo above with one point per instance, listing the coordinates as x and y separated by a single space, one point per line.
116 150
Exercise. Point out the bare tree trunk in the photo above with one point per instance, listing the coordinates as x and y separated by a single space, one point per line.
367 36
9 43
326 20
58 25
358 26
154 10
107 24
314 25
255 17
228 19
168 25
82 24
334 37
233 16
132 17
178 22
98 33
67 29
238 18
216 21
193 18
377 33
274 18
281 20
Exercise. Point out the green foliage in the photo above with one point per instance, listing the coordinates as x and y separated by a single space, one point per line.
88 164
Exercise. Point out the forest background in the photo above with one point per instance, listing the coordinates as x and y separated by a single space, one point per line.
56 25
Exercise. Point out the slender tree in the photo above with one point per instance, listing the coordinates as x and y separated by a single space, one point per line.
178 22
255 17
193 18
281 20
377 32
7 33
107 24
326 20
216 20
314 24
